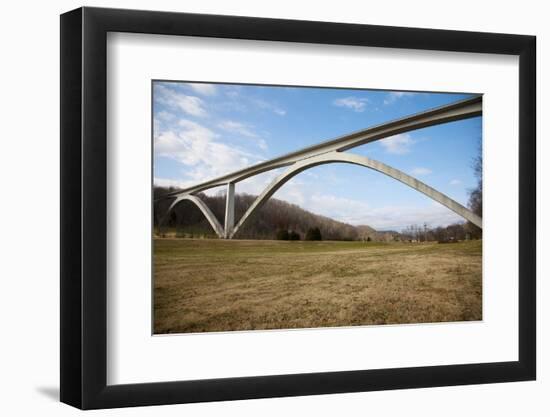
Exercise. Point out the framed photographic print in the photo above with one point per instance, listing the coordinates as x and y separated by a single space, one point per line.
258 207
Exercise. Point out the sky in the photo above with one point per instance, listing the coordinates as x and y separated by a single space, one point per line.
202 130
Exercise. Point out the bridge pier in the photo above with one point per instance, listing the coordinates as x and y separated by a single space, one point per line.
229 210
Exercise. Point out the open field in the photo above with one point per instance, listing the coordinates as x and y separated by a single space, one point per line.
220 285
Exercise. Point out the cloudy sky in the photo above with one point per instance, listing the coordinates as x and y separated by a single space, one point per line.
206 130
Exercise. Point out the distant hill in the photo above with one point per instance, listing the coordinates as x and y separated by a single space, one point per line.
276 215
273 216
365 231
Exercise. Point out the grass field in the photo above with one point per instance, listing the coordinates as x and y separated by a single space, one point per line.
218 285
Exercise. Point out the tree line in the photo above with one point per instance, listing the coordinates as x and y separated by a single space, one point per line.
278 219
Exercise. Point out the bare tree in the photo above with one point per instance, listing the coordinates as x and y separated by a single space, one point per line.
475 201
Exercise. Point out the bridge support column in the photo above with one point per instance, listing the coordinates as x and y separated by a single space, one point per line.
229 210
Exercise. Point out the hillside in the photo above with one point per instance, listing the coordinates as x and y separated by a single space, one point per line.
275 215
264 224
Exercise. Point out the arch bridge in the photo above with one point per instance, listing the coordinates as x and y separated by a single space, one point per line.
332 151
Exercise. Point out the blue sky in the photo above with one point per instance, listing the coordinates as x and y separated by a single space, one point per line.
205 130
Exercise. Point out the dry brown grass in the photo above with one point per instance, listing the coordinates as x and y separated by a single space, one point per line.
217 285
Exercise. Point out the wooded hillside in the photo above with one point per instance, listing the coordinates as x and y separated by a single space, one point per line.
275 215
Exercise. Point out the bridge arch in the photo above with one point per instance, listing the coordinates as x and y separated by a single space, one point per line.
335 157
203 208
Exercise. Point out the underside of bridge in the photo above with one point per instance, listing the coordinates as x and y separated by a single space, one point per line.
331 152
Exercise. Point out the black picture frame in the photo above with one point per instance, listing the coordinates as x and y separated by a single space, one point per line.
84 207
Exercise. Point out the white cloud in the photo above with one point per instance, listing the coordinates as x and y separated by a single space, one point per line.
294 191
244 103
265 105
380 218
191 105
394 95
233 92
167 182
161 119
157 125
165 116
203 89
343 209
455 182
237 127
244 130
358 212
196 147
399 217
420 171
354 103
399 144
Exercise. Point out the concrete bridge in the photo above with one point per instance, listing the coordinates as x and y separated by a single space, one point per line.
331 151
